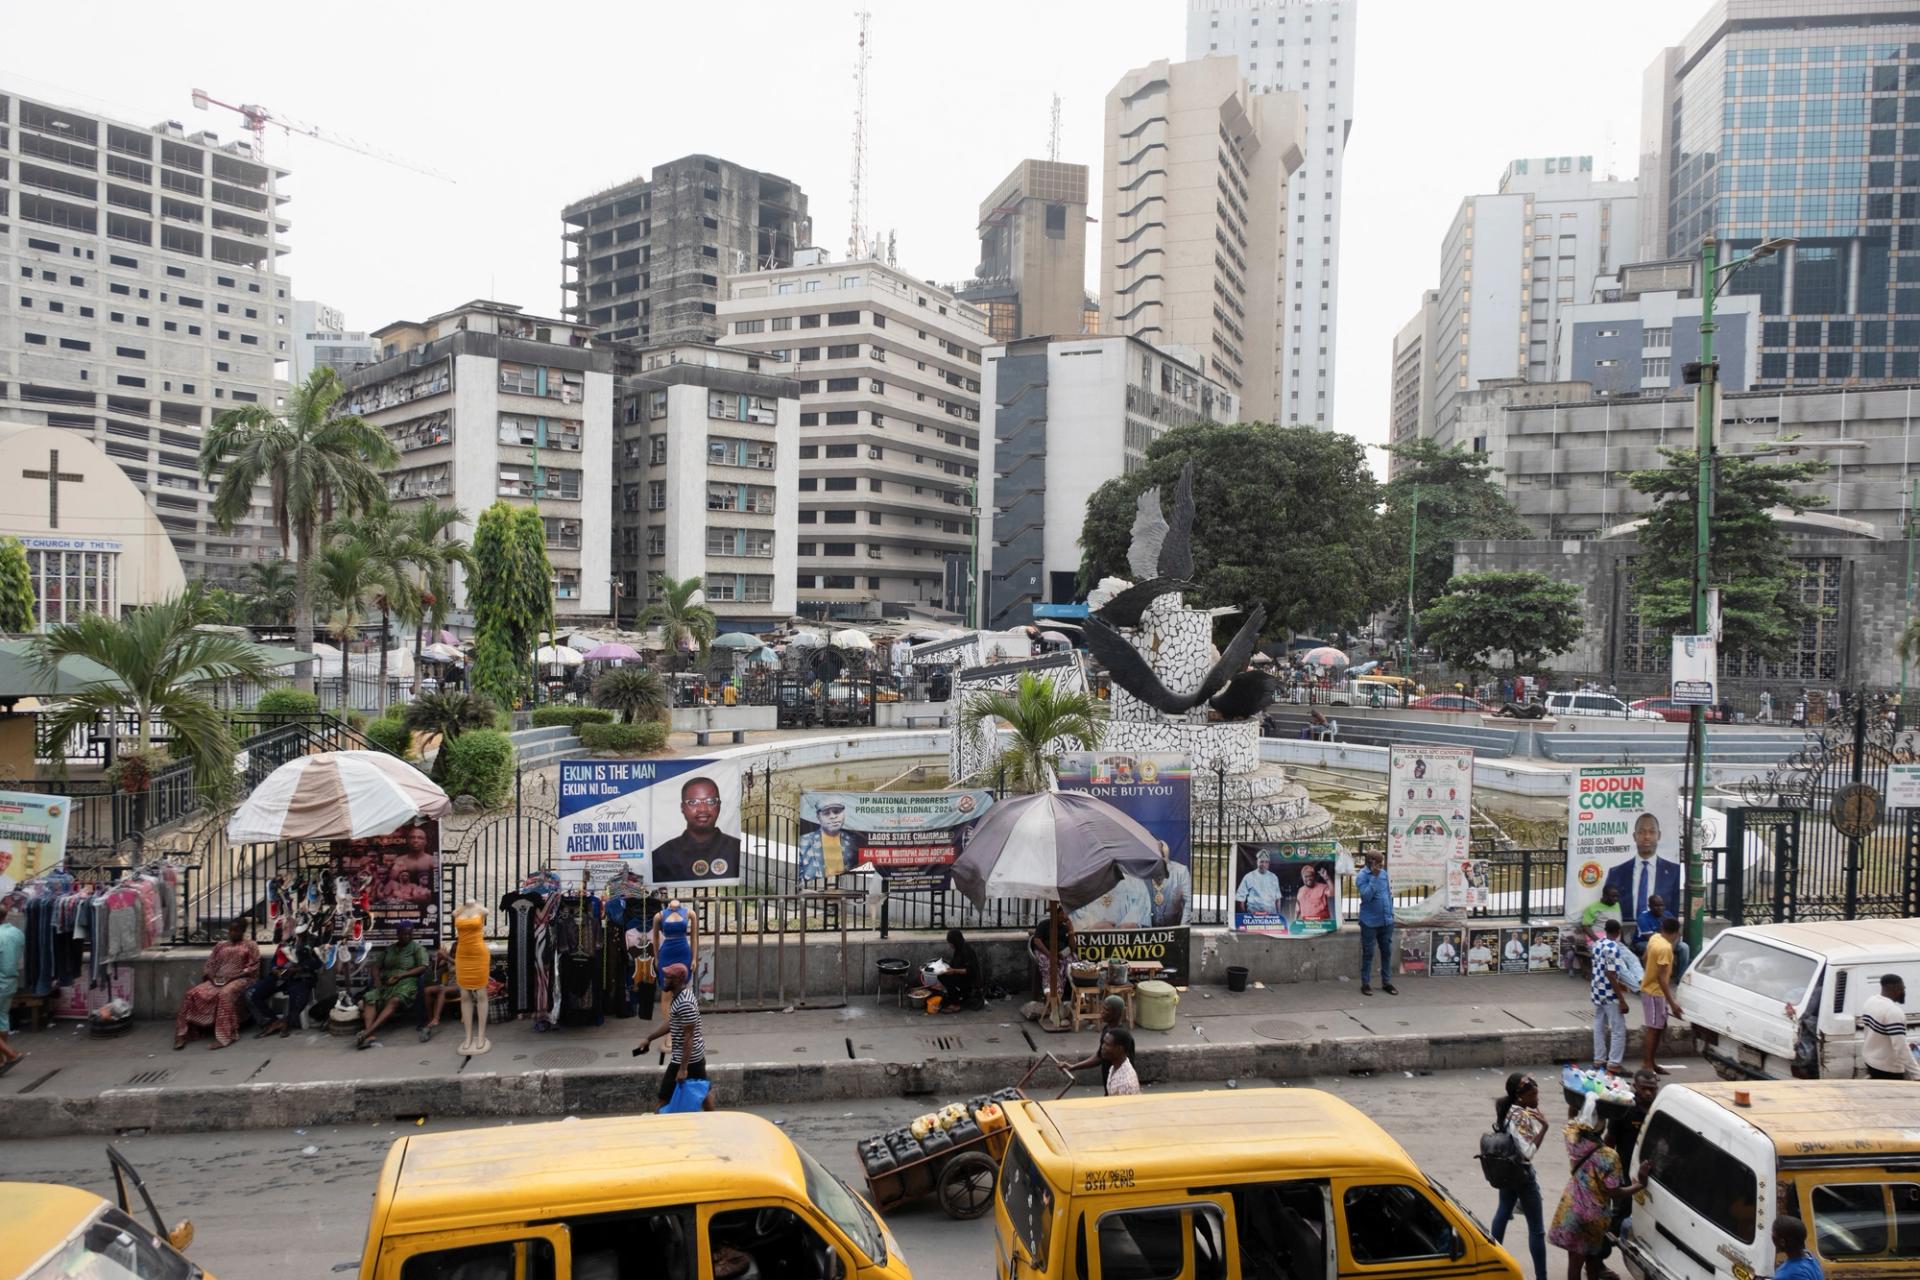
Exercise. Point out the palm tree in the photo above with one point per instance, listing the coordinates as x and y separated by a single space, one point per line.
313 462
387 538
270 592
635 692
1040 714
436 550
447 714
349 576
680 613
159 656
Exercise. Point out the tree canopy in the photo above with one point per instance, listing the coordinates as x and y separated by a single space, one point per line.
1482 615
510 592
1748 554
18 605
1459 499
1284 516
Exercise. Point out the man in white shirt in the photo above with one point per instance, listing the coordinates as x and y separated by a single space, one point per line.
1116 1052
1883 1027
1259 891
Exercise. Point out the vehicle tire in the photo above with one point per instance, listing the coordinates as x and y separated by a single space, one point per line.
966 1185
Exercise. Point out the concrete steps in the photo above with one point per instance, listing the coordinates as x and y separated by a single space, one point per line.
536 747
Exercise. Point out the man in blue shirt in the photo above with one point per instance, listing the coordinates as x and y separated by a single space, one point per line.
1790 1241
1376 923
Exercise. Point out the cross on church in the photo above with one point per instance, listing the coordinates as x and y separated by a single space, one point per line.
53 475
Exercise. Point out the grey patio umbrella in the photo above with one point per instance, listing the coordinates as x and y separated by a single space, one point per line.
1061 846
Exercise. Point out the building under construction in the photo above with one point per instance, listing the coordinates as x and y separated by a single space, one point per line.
1033 254
646 262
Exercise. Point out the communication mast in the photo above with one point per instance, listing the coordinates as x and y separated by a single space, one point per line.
856 235
1053 136
258 118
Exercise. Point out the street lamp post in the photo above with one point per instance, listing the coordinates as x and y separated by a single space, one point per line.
973 554
1413 548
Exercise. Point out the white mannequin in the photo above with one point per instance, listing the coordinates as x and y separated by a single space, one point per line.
473 999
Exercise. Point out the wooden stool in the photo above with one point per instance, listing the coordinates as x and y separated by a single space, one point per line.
1085 1006
35 1007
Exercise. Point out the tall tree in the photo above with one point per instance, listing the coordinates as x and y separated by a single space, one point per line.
1748 552
681 614
510 594
1482 615
535 577
387 536
18 605
350 577
1040 715
160 659
1458 498
436 550
1284 516
314 463
271 592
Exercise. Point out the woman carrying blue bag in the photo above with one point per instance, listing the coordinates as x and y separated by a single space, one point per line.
683 1086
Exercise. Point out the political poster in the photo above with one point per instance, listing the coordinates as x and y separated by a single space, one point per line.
1903 786
1543 952
909 837
1696 665
1156 791
1483 950
1469 884
1413 951
1623 830
672 822
396 876
1288 889
1169 947
1429 827
1513 950
1445 959
33 835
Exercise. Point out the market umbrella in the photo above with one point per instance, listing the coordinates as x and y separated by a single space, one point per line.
443 653
1065 846
336 795
1325 656
447 637
562 656
764 656
611 652
851 639
1364 667
807 639
734 640
1054 637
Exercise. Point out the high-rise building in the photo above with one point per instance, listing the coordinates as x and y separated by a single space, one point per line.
709 471
1779 118
321 338
485 403
1066 415
1192 241
1308 48
889 375
1510 262
1413 376
1032 277
647 262
1642 328
144 301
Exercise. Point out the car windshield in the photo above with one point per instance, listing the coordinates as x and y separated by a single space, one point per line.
843 1208
1759 967
112 1246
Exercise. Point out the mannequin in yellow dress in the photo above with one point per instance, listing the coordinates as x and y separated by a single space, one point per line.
470 966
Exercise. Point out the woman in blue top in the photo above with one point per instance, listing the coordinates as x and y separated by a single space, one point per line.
676 937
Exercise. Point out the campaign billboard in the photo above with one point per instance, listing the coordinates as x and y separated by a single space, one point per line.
672 822
1155 789
33 835
1429 828
909 837
1289 888
1623 829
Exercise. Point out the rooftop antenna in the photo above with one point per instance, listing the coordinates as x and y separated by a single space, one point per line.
1053 135
856 234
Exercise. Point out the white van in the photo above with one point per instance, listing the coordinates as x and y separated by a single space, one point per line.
1589 703
1363 691
1737 994
1843 1156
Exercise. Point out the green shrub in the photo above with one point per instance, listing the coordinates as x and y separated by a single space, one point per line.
479 764
358 719
395 711
628 739
287 702
575 716
391 735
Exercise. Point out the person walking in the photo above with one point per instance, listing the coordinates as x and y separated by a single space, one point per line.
1657 997
687 1037
1608 991
1766 707
1518 1113
1883 1024
13 967
1376 923
1116 1051
1585 1212
1113 1013
1790 1242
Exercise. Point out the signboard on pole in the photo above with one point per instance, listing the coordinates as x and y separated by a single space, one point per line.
1156 791
1429 827
672 822
33 835
1623 829
1696 666
1903 786
909 837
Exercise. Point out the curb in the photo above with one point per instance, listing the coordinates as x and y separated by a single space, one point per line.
600 1091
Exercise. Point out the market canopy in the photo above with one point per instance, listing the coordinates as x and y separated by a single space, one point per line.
21 677
336 795
734 640
1064 846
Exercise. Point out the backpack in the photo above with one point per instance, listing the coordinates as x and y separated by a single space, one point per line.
1501 1163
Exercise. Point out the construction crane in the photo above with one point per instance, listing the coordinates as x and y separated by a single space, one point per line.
856 236
1053 134
258 118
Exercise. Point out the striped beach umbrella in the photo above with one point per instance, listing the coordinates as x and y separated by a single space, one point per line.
336 795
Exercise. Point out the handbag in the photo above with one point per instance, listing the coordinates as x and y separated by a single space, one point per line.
643 975
688 1095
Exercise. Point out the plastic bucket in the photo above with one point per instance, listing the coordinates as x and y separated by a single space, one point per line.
1153 1004
1236 977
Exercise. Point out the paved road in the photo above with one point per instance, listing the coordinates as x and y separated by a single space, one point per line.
263 1205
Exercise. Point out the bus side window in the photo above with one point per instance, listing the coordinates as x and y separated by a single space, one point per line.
1283 1230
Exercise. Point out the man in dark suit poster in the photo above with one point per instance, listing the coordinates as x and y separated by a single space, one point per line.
703 851
1647 873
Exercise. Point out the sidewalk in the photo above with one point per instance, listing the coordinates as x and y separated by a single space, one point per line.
74 1084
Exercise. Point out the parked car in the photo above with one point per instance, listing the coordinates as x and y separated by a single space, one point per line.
1596 705
1449 702
1668 709
1367 691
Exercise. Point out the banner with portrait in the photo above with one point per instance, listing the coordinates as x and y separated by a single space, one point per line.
909 837
1429 828
1623 829
1155 789
398 877
33 835
672 822
1469 884
1168 947
1289 888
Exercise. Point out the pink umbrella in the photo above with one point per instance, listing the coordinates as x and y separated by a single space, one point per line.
1325 656
611 652
447 637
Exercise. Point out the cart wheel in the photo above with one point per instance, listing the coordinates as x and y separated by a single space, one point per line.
966 1185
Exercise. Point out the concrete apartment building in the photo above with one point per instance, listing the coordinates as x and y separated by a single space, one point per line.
144 299
1308 48
484 403
1643 328
889 376
646 263
1194 191
321 337
709 471
1511 260
1413 375
1032 276
1066 415
1791 118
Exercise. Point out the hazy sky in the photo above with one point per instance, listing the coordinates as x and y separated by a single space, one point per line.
531 107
